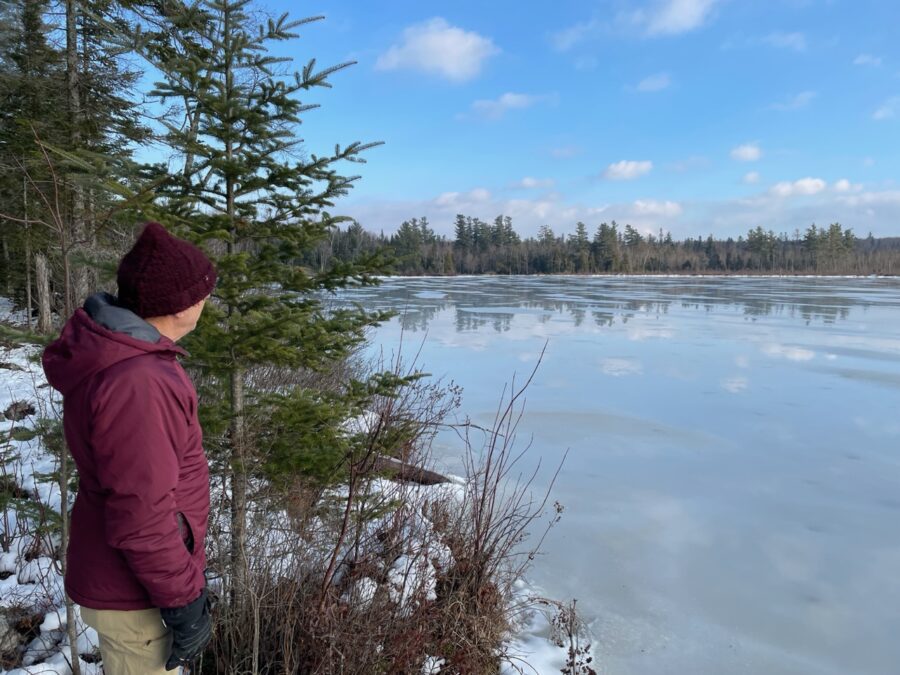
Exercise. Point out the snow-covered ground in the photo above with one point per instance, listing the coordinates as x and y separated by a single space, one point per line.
31 583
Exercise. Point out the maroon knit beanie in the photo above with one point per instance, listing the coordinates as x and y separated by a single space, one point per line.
163 275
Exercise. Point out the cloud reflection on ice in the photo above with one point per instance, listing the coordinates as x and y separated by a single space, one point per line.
735 385
639 333
788 352
620 367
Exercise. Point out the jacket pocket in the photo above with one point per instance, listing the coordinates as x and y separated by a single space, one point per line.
187 534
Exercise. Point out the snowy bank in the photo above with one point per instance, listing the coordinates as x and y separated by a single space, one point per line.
33 632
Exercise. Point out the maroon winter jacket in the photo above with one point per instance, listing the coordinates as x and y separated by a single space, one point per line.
130 419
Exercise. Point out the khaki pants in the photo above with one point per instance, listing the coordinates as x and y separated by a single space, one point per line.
131 642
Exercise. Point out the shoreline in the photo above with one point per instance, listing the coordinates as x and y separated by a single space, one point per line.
643 275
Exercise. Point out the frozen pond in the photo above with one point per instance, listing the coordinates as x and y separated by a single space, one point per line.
732 490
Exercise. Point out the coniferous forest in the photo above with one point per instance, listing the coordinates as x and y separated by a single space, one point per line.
479 247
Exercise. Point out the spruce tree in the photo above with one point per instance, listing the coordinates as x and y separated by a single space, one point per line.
582 246
246 189
463 233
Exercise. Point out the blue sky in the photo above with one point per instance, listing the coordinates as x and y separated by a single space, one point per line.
696 116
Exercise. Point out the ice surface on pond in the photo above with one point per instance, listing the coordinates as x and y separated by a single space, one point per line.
732 490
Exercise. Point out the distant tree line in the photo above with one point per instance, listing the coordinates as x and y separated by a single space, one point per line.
478 247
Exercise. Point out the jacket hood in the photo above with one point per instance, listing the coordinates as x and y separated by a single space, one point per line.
98 336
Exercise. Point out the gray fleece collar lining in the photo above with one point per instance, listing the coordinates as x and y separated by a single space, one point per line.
102 308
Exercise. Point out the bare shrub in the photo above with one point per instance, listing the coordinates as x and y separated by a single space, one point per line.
570 634
380 576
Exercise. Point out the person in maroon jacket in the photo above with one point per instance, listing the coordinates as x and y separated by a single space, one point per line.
136 555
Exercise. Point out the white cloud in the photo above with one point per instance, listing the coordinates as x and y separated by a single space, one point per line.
653 83
458 199
497 108
804 186
652 207
867 60
865 211
656 18
529 183
447 198
436 47
795 41
751 178
801 100
539 209
843 185
627 170
884 198
748 152
888 110
620 367
567 38
671 17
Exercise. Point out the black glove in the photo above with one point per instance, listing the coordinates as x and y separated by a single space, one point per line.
191 627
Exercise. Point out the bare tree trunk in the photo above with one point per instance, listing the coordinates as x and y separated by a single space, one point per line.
194 117
238 427
88 276
72 93
28 307
28 302
64 545
42 271
80 271
6 264
238 487
68 305
79 288
91 281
